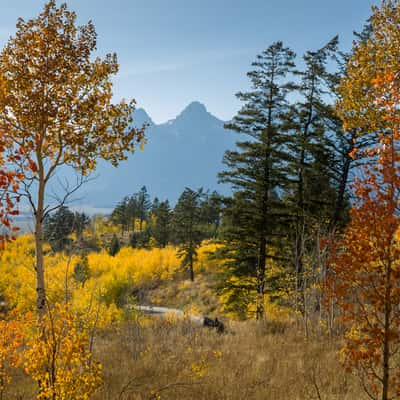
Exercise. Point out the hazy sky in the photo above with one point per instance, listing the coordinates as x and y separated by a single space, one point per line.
174 51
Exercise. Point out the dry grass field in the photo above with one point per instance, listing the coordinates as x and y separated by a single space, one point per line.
169 360
161 359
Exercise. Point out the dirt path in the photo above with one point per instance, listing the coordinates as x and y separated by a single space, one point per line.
164 311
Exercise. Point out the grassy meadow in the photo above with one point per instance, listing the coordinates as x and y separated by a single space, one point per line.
146 357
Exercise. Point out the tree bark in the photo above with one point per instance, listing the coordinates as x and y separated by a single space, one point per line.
300 229
338 211
260 310
191 267
340 197
39 267
386 347
300 217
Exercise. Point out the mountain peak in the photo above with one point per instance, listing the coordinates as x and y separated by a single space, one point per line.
194 110
195 107
140 117
194 114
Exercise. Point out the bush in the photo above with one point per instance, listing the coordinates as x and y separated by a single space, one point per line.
115 246
117 292
82 270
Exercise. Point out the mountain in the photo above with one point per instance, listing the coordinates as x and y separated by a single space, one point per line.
185 151
141 117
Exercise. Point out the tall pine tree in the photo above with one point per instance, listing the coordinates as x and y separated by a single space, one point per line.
257 171
187 227
211 213
311 192
57 227
119 216
161 227
143 204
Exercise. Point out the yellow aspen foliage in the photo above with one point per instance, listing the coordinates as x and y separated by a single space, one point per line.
59 358
17 278
204 262
239 298
371 61
110 280
11 339
107 275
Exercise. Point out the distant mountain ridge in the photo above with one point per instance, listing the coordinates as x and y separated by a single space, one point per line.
185 151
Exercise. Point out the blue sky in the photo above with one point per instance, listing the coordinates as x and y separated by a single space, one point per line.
174 51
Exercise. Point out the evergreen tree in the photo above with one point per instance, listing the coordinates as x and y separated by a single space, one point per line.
81 221
211 208
140 239
257 171
114 246
133 240
161 227
120 216
155 205
312 191
131 212
143 206
345 142
57 227
187 230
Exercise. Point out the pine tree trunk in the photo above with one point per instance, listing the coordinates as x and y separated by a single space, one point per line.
191 272
301 201
260 310
299 234
342 189
299 262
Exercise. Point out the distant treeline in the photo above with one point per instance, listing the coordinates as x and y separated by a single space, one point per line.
195 217
196 210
